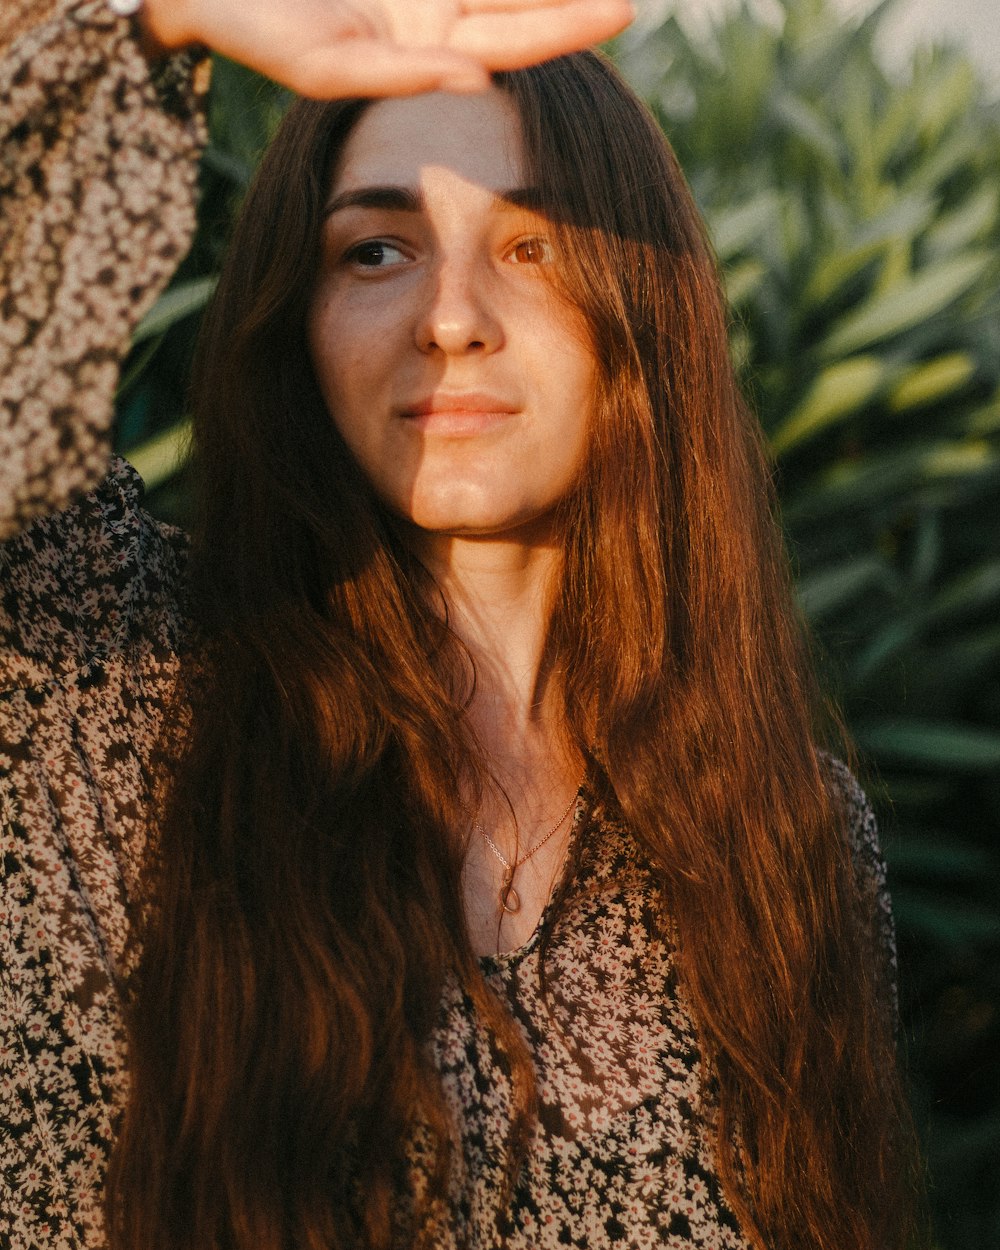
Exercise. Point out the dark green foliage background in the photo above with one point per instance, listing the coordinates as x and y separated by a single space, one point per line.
857 220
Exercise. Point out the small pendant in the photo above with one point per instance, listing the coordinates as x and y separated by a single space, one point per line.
510 900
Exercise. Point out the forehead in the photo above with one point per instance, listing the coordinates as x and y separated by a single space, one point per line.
477 137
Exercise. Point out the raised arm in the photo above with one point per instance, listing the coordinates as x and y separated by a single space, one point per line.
98 161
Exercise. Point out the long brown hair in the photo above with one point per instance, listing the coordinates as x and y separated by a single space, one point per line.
305 913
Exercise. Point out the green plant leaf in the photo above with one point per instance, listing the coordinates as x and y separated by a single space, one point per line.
929 856
826 592
931 381
970 222
955 924
931 744
971 591
839 391
904 220
174 305
986 420
734 228
882 644
804 120
161 457
908 303
743 280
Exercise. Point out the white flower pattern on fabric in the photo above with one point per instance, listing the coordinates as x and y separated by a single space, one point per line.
621 1154
96 191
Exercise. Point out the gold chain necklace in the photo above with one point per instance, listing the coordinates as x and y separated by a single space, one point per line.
510 900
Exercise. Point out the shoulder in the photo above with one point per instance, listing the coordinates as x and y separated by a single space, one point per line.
90 581
868 861
859 820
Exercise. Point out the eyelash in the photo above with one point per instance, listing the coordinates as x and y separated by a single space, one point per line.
355 254
358 252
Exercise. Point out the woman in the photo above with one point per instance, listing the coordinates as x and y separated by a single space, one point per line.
500 893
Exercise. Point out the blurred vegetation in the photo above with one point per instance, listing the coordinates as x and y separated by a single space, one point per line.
856 215
152 429
857 219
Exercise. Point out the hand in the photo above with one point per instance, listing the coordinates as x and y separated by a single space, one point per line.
331 48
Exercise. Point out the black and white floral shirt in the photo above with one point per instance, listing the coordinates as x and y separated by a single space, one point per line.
97 170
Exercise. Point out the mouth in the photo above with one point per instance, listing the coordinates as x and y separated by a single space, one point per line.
459 412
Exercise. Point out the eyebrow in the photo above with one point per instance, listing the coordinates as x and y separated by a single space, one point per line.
395 199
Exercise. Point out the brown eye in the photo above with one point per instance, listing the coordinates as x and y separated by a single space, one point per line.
531 252
375 254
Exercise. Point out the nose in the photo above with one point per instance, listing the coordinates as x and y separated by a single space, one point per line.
459 314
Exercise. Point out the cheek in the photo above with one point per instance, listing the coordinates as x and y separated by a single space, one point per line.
338 357
581 399
568 356
318 339
351 366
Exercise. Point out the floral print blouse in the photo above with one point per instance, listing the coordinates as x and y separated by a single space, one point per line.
97 170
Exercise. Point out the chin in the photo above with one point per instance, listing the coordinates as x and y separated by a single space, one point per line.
527 529
459 516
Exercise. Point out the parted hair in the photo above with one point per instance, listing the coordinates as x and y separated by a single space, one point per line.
304 908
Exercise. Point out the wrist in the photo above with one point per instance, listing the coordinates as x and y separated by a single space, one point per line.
165 25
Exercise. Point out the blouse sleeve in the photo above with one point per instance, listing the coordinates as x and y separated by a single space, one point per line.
98 164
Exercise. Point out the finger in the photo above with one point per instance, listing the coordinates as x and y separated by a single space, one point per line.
504 40
516 6
375 68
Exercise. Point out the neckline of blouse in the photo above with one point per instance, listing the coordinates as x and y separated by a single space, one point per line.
505 960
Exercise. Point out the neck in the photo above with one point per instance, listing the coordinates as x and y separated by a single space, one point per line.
499 596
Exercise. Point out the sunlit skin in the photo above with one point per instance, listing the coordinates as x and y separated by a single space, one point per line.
458 378
336 48
463 385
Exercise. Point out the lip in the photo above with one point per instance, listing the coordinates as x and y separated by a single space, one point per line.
459 401
459 412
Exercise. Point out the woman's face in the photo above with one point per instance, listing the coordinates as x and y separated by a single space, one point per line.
460 381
